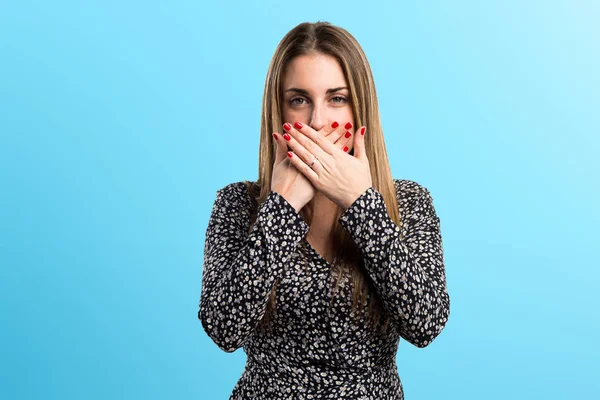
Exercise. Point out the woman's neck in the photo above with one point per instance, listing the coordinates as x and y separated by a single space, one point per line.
324 216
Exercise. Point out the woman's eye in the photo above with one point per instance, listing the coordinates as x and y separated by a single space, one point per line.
339 99
296 101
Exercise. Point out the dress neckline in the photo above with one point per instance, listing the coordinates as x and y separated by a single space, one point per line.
318 255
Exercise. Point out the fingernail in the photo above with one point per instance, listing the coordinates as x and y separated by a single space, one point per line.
345 148
298 125
289 154
362 131
348 125
287 137
347 135
335 124
275 136
287 126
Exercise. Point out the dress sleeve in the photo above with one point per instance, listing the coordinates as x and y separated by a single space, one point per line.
408 273
240 267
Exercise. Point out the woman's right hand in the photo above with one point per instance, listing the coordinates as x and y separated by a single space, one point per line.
290 183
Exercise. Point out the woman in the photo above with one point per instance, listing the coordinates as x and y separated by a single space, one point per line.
319 267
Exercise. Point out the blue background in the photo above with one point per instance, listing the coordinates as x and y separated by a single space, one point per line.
120 120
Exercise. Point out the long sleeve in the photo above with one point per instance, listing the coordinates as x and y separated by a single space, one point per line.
408 273
240 268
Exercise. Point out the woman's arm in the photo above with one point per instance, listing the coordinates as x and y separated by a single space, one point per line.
240 268
408 273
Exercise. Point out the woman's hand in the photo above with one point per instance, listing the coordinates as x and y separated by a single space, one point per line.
287 180
340 176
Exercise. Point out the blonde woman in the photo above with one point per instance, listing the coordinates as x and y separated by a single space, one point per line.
319 267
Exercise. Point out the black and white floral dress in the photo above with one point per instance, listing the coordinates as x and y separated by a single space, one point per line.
314 351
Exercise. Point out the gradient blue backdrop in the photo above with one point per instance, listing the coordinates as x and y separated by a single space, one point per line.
120 120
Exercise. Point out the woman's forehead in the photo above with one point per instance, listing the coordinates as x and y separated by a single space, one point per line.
314 72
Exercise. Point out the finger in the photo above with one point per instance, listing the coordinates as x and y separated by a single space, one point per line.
303 168
299 150
359 144
344 142
280 152
336 134
327 130
313 142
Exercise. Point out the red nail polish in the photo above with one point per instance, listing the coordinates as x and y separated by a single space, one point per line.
335 125
348 125
287 137
289 154
275 136
362 131
345 148
287 126
298 125
347 135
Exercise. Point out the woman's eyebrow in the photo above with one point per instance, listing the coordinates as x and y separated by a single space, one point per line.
303 91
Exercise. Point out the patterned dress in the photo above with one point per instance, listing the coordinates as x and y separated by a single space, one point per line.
316 349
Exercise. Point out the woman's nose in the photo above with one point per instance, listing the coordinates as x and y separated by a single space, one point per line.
317 120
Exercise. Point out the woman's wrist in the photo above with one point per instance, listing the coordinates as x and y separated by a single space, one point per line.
297 206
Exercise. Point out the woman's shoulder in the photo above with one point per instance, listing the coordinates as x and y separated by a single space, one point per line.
237 194
406 188
413 197
236 187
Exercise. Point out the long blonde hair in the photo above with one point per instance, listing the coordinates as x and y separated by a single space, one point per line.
327 39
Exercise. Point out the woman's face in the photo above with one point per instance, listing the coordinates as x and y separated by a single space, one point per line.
315 92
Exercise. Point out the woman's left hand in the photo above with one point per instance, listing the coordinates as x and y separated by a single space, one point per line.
338 175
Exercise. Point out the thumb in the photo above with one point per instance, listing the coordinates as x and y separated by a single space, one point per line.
359 144
281 152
